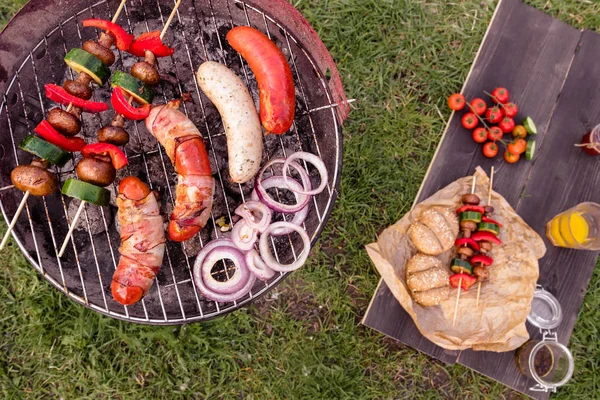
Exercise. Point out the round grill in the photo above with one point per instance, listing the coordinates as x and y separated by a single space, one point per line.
197 33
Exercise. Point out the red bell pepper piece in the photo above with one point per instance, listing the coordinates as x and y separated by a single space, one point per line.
482 259
47 131
122 39
117 157
491 221
122 106
150 41
468 241
465 284
60 95
490 237
470 207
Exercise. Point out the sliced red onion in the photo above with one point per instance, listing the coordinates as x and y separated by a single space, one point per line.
247 210
265 250
314 160
274 205
226 249
243 236
257 266
299 216
235 282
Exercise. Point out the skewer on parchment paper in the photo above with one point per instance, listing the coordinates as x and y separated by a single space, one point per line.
460 280
489 203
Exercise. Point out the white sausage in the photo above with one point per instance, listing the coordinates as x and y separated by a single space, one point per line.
240 119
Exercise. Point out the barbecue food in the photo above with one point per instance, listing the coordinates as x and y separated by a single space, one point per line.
96 170
242 126
34 178
434 231
64 122
273 74
114 133
195 184
427 279
142 241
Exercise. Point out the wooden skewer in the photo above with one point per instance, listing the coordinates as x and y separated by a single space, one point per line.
460 280
164 31
14 220
71 228
489 202
116 16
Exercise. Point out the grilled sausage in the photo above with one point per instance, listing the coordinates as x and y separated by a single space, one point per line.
195 184
78 89
34 179
273 74
142 241
242 126
100 52
64 122
146 73
96 171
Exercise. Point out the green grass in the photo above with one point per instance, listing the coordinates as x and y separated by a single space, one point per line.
400 59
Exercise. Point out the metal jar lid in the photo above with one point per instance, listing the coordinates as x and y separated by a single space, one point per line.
546 312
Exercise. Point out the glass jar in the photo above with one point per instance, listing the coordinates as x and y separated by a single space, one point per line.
549 363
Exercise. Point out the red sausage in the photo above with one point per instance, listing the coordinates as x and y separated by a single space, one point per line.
273 74
142 241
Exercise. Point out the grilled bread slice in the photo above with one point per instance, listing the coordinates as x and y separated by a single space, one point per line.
434 231
427 279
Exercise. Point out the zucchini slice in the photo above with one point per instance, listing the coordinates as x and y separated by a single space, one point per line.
530 126
530 150
141 92
488 227
86 192
461 267
470 216
44 150
81 61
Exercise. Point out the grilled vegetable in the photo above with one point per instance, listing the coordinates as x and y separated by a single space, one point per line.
491 221
117 157
466 281
488 227
465 252
34 179
96 171
481 273
106 56
45 130
113 134
146 73
78 89
487 236
44 150
122 106
122 39
86 192
461 266
470 207
467 242
64 122
471 199
481 260
60 95
485 246
141 92
81 61
470 216
150 41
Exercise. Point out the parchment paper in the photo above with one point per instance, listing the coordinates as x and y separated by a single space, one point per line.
499 323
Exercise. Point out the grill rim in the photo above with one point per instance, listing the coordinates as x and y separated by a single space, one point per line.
203 316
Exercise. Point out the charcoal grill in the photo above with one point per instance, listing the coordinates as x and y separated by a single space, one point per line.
31 50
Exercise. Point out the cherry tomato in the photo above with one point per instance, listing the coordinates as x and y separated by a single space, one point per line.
480 135
519 132
520 146
494 115
490 149
495 134
456 102
478 106
500 95
510 157
469 121
510 110
507 124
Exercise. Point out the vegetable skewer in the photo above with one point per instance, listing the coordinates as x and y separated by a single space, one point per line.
461 279
489 202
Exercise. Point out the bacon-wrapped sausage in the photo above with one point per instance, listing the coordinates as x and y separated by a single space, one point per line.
142 241
195 184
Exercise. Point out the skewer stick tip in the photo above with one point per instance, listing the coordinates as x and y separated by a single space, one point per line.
14 220
491 186
166 27
116 16
457 300
478 293
473 184
71 228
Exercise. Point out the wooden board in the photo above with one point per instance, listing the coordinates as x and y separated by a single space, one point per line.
559 87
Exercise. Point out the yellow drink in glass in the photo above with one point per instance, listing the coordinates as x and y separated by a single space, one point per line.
576 228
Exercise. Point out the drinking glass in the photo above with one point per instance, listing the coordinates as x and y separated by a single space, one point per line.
576 228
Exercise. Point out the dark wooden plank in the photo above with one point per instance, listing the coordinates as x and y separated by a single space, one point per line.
549 45
562 177
385 315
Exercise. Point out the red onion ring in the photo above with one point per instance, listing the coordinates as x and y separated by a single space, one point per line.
226 250
233 284
265 250
273 204
242 236
247 210
257 266
314 160
299 217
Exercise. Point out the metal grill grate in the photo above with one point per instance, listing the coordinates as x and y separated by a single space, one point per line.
84 273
